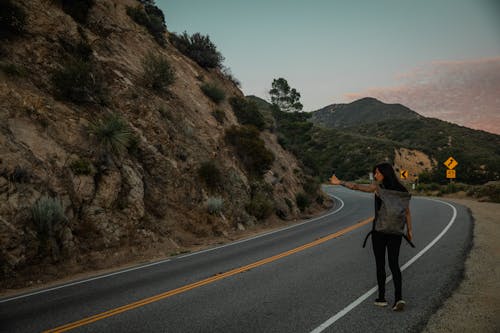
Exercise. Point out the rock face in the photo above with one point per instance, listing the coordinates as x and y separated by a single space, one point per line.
150 195
413 161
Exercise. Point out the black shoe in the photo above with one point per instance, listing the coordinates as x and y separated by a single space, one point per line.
380 302
399 305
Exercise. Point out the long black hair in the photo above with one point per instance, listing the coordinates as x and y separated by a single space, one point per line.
390 181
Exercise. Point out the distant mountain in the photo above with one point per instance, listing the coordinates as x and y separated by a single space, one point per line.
350 138
364 111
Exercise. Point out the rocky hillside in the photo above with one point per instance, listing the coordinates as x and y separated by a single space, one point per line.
114 143
363 111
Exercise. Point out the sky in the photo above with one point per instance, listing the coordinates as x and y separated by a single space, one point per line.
441 58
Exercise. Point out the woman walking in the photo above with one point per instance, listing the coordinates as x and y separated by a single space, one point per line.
392 213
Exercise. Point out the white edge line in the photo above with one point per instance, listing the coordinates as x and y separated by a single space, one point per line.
83 281
363 297
166 260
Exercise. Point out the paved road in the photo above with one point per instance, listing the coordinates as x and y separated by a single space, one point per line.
314 276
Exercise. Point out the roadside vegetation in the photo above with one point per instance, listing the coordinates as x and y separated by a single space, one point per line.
199 48
12 19
158 73
151 17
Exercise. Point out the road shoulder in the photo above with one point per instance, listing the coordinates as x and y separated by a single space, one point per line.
475 304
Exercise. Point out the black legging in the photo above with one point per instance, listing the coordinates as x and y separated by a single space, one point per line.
393 242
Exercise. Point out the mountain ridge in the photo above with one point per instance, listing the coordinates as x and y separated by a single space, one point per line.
364 110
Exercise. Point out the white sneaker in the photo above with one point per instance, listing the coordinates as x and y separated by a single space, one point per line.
380 302
399 305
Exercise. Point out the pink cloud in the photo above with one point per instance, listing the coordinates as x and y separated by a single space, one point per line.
463 92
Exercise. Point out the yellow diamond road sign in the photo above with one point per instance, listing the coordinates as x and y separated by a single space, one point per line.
451 163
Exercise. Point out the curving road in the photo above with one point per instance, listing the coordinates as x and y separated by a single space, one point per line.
311 277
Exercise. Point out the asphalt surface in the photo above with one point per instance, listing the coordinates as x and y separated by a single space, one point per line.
298 292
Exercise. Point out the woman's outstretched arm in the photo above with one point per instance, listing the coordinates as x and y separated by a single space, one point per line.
358 187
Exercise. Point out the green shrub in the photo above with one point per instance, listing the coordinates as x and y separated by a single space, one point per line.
490 191
247 112
112 134
79 51
302 201
12 70
77 83
215 205
81 167
77 9
423 187
250 149
213 92
211 175
199 48
138 15
133 145
12 19
219 115
158 74
261 204
48 217
229 75
311 186
18 175
152 18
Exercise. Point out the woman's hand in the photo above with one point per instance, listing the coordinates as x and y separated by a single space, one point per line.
409 234
334 180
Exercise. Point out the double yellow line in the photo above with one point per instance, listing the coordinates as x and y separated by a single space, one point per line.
217 277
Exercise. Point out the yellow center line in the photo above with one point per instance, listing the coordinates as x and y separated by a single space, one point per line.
217 277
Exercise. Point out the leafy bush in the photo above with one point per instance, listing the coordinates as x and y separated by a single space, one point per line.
81 167
215 205
77 83
250 149
18 175
261 204
219 115
247 112
213 92
77 9
152 18
226 71
158 74
302 201
79 51
12 19
424 187
211 175
311 186
199 48
112 134
490 191
48 216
